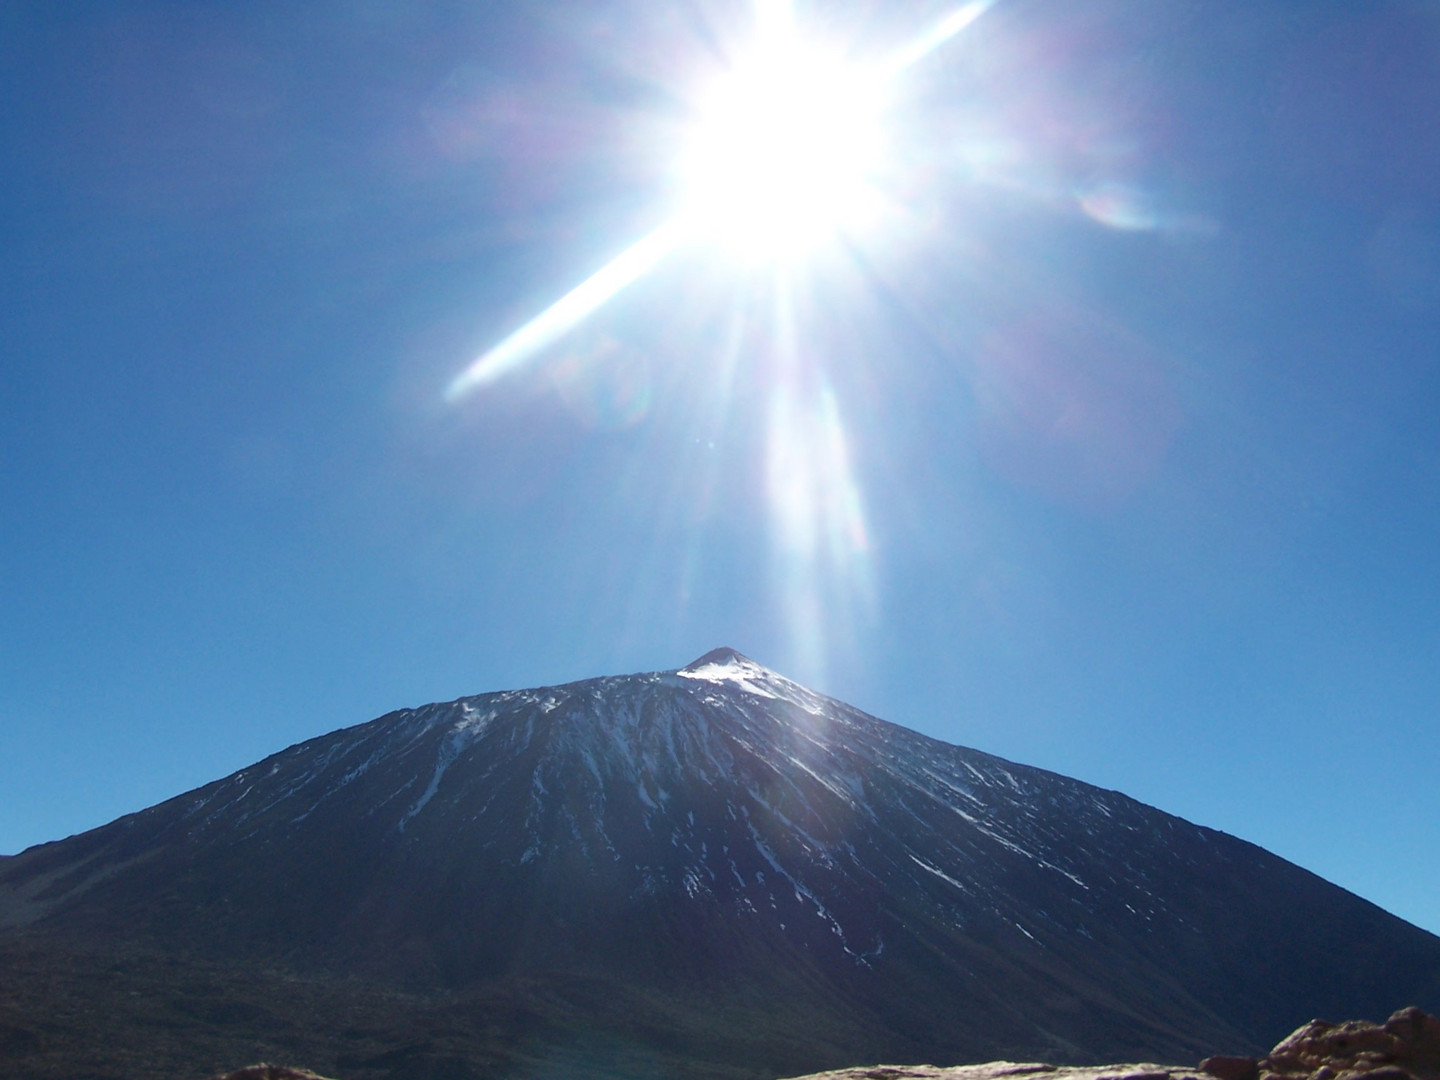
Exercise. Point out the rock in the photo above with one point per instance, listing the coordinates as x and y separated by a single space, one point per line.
1417 1035
1299 1041
1320 1042
1405 1047
1282 1064
1414 1027
269 1072
1006 1070
1226 1067
1388 1072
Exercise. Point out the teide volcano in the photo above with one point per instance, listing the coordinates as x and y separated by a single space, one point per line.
706 872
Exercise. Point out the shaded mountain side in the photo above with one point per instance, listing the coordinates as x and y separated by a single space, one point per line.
134 1014
721 869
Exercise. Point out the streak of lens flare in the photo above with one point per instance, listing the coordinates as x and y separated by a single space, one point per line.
571 309
1122 208
958 20
821 544
1130 209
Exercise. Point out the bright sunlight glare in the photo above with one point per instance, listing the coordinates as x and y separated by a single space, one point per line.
785 147
785 153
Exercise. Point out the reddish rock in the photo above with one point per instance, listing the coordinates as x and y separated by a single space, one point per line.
1320 1042
1418 1037
1405 1047
269 1072
1282 1064
1414 1027
1388 1072
1294 1045
1226 1067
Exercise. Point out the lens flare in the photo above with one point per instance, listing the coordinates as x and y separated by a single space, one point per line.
784 154
570 310
783 162
958 20
821 544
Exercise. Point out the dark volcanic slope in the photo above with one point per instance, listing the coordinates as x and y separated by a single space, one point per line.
769 879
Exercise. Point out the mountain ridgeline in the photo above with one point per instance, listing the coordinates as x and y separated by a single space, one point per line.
709 872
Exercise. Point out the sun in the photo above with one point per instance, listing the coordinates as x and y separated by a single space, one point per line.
786 147
784 157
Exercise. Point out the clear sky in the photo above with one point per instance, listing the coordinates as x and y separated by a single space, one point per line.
1107 441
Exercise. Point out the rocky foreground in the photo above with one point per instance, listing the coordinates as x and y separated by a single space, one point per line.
1405 1047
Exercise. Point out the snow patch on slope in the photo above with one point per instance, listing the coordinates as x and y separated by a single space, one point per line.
747 676
466 730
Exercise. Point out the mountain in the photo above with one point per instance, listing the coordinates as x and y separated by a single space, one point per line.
709 872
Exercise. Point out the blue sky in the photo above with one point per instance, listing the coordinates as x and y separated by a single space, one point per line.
1113 449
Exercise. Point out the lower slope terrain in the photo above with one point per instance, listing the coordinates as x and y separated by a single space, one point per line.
1405 1047
708 873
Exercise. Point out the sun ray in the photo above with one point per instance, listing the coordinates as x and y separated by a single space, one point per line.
571 309
958 20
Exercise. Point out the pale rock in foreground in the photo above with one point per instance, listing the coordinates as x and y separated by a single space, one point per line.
996 1070
1405 1047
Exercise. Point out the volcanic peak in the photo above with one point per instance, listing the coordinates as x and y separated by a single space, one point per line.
721 657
